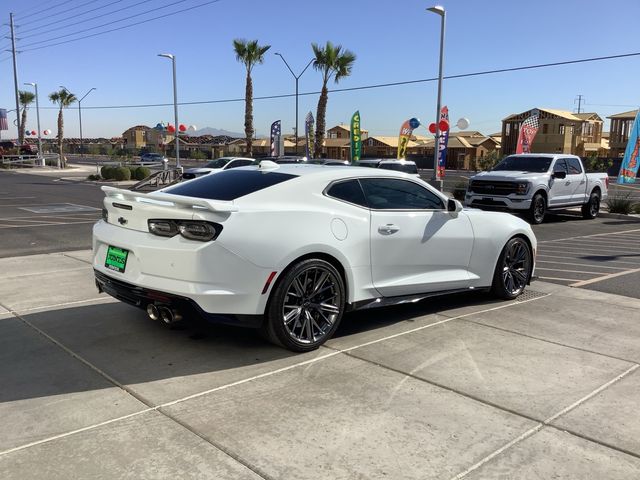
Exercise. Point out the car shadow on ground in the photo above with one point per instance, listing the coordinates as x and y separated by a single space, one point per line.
124 343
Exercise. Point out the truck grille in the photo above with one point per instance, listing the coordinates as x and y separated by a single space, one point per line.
488 187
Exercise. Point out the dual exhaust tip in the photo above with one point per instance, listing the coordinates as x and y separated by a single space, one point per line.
161 312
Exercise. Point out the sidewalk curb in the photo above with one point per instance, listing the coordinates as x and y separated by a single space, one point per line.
619 216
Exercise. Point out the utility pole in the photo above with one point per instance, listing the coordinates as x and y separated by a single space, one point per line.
15 72
580 97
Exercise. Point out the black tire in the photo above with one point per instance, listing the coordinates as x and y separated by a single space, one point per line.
513 269
306 306
591 209
538 209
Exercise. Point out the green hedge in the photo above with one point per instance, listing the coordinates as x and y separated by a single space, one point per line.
122 173
107 172
141 173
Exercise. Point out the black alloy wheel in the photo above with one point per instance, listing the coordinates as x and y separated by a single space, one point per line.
513 269
306 306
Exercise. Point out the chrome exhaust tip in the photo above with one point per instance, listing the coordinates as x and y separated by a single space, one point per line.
169 316
153 312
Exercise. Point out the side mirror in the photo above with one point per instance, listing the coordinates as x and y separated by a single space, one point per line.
454 206
560 175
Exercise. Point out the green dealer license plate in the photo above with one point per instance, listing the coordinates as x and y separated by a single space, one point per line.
116 259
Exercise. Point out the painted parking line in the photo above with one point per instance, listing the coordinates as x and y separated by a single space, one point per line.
621 232
569 271
559 279
60 208
5 227
590 265
580 249
592 258
604 277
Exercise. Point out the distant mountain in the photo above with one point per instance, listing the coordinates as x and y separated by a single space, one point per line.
214 132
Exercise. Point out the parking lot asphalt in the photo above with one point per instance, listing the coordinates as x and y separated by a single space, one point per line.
459 387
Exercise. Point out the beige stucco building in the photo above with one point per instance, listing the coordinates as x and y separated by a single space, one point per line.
621 124
559 132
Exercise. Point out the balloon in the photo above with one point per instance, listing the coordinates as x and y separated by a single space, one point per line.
182 127
443 125
414 123
159 126
47 132
171 128
27 132
33 132
463 123
432 128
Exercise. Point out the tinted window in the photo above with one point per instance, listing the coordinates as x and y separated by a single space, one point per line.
349 191
560 166
229 184
400 167
396 194
574 166
217 163
524 164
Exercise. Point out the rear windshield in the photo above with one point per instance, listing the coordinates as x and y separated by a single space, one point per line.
229 184
524 164
399 167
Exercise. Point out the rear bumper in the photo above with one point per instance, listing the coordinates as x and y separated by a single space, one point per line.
497 202
141 297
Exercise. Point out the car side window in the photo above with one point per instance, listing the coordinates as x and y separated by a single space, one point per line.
574 166
348 191
560 166
238 163
398 194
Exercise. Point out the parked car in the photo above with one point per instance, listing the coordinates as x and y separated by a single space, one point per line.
289 248
329 161
534 183
28 149
152 158
406 166
217 165
283 159
7 146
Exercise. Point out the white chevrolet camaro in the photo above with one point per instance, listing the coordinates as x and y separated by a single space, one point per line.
290 248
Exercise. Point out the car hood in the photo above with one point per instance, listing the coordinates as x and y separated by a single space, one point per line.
506 175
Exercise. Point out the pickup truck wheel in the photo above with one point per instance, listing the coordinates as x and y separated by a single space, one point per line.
538 209
512 270
592 207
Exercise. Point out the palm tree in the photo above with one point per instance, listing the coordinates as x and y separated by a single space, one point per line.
249 53
26 98
63 98
333 62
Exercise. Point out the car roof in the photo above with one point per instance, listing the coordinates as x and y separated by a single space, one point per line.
328 172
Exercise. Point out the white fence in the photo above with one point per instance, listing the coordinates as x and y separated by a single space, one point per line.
30 161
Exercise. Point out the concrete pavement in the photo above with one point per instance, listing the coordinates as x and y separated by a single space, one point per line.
459 387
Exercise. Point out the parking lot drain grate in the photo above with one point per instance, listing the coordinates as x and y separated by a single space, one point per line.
530 295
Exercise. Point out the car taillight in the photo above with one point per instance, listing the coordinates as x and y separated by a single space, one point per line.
191 229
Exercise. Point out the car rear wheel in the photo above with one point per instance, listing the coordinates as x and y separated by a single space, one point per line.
513 269
591 209
538 209
306 306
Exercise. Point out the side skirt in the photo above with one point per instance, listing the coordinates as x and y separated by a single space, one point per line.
404 299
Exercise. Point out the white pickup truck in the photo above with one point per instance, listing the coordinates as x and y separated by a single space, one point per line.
533 183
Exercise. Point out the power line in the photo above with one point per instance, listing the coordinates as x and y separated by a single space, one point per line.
380 85
104 24
125 26
47 17
46 9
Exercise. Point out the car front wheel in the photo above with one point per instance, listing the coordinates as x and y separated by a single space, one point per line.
538 209
513 269
306 306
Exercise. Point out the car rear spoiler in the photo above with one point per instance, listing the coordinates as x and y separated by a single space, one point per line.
177 200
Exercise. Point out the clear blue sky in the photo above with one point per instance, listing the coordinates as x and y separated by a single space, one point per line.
393 41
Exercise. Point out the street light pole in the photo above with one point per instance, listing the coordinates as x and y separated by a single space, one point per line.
435 179
80 119
175 105
35 86
297 77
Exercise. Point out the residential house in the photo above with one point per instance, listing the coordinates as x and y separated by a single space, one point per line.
620 128
142 136
344 131
559 132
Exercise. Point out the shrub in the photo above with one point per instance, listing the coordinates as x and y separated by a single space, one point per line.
459 190
122 173
51 162
198 155
636 209
141 173
93 176
107 172
132 171
622 204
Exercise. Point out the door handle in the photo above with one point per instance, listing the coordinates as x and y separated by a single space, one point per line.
388 229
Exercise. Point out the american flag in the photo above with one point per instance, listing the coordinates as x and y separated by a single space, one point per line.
275 137
4 125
